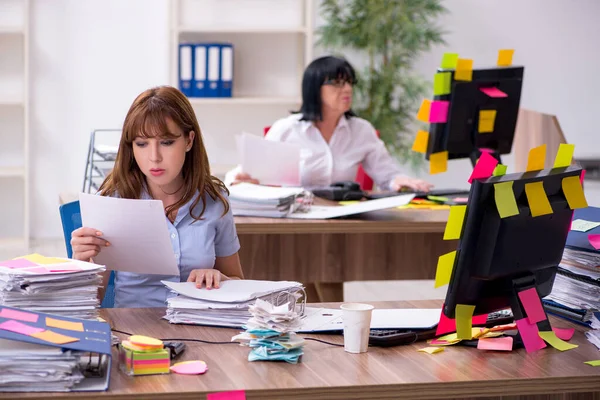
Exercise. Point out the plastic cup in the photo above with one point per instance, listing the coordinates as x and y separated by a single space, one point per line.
357 323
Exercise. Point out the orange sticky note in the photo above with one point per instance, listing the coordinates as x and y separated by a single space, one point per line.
421 141
551 338
505 199
59 323
431 350
464 70
573 191
438 162
53 337
564 155
538 201
505 57
455 222
424 110
464 327
444 269
537 158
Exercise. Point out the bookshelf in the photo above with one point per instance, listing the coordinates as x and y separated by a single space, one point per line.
14 123
273 43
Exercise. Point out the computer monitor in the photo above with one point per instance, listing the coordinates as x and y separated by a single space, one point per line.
499 257
460 134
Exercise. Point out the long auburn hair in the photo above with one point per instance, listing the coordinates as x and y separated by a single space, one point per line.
147 118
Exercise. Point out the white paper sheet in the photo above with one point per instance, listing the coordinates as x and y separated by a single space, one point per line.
321 212
232 291
272 163
137 231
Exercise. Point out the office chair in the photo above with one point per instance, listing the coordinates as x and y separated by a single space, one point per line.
364 180
70 216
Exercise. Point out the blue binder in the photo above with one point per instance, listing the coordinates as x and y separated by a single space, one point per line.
186 68
213 70
200 70
226 83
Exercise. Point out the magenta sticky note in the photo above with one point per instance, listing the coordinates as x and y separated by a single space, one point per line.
500 343
564 333
493 92
529 334
484 167
65 268
594 240
234 395
18 327
20 315
438 112
532 305
17 263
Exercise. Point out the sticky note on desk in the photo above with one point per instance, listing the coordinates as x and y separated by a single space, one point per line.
424 111
464 70
439 111
484 168
431 350
464 318
579 225
19 327
449 60
53 337
536 159
68 325
421 141
538 201
595 363
505 199
594 241
573 191
500 343
564 155
529 334
441 83
505 57
444 269
233 395
564 333
20 315
530 299
551 338
438 162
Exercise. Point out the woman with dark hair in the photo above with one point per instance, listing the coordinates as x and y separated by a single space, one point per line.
334 140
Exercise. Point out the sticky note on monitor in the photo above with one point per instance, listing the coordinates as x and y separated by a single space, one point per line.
441 83
537 158
449 60
439 111
421 141
487 119
538 201
484 168
464 317
444 269
493 92
455 222
424 111
573 191
564 155
438 162
530 336
464 70
530 299
505 199
505 57
500 170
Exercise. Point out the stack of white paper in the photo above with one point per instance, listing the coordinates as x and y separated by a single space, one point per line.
227 306
265 201
56 286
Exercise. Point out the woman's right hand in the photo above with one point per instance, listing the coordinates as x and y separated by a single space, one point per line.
87 243
243 177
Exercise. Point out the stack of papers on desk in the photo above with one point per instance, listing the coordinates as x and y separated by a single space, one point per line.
51 285
264 201
227 306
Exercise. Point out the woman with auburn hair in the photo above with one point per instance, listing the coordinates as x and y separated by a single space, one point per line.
162 156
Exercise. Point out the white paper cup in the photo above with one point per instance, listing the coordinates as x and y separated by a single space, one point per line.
357 323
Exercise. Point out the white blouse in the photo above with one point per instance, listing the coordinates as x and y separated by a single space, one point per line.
354 142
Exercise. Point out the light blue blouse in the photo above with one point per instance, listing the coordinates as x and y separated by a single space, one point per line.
196 244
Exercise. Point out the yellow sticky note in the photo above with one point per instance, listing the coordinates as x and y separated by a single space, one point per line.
505 57
559 344
53 337
441 83
431 350
464 319
421 141
505 199
455 222
573 191
40 259
487 114
499 170
438 162
594 363
141 340
564 155
486 126
348 202
423 114
537 158
59 323
538 201
449 60
444 269
464 70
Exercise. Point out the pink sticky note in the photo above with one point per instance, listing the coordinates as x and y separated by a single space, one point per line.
439 111
500 343
235 395
529 334
65 268
533 305
448 325
18 263
189 368
20 315
594 240
564 333
484 167
37 270
18 327
493 92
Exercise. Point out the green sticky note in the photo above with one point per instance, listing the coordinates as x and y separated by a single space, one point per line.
441 83
464 321
553 340
595 363
449 60
500 170
440 199
455 222
564 155
505 199
581 225
444 269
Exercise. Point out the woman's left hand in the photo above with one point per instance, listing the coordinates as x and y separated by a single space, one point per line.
415 184
210 277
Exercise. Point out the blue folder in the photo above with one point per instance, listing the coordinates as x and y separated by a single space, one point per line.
186 69
200 70
226 81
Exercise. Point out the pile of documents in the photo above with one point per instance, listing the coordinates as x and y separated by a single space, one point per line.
271 333
593 335
228 305
51 285
265 201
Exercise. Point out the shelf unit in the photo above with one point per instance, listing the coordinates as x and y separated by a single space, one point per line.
14 124
272 42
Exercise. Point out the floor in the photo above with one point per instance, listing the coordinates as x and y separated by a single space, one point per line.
353 291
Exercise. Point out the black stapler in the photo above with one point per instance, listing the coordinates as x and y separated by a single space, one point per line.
339 191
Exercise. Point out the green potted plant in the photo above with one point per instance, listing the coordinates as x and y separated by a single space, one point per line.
391 34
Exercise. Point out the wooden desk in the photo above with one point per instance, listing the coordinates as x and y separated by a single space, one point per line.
327 372
383 245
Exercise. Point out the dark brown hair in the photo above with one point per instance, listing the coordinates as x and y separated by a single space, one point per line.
147 118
